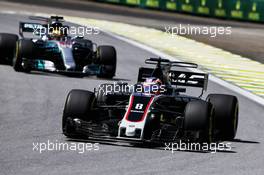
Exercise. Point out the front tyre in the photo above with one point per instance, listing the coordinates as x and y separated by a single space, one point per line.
79 104
198 117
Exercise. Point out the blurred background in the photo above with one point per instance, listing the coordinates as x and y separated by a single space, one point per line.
246 17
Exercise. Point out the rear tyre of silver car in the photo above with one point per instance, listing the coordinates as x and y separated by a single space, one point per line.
24 49
107 61
7 47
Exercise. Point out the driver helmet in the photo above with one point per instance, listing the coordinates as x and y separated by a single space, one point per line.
152 85
56 30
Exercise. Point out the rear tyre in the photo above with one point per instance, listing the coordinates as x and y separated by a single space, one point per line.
24 49
82 52
198 117
226 115
107 60
79 104
7 47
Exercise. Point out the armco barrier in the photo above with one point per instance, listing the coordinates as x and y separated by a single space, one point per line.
220 8
204 7
170 5
187 6
131 2
113 1
248 10
151 3
238 9
255 10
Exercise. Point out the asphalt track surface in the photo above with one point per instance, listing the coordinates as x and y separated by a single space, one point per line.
31 107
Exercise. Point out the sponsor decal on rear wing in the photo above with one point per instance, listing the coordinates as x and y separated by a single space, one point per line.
192 79
178 78
34 28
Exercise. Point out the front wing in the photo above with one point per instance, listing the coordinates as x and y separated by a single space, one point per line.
93 131
48 66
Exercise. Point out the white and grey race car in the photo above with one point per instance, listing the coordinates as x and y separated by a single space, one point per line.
55 51
156 111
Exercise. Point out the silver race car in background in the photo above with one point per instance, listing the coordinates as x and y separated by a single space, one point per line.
55 51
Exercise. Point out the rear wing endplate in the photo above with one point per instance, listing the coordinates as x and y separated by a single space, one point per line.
178 78
33 28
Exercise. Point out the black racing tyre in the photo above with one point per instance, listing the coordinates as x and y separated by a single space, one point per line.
107 59
79 104
24 49
198 117
226 115
152 124
83 51
7 47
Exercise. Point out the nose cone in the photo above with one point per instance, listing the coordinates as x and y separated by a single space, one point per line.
68 58
130 131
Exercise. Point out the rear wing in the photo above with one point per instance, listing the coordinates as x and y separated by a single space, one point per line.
178 78
34 28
